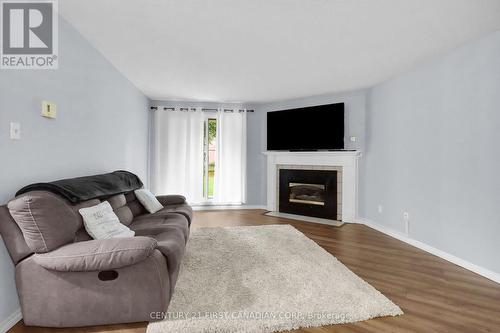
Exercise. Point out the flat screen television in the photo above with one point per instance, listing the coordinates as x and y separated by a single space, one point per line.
311 128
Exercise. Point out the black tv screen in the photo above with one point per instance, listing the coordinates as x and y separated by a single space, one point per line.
311 128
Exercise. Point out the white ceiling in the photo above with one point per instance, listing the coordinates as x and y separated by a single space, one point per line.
267 50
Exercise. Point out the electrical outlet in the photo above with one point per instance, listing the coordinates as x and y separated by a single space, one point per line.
406 219
380 209
49 110
353 139
15 131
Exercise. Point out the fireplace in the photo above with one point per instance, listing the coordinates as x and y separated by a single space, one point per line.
308 192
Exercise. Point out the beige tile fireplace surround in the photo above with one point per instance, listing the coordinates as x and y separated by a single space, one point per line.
344 162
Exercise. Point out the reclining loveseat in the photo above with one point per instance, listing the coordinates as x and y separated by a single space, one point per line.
65 278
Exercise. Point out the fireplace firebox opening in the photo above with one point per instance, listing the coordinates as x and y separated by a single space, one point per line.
308 192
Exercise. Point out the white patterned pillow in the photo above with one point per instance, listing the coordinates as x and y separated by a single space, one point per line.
101 222
148 200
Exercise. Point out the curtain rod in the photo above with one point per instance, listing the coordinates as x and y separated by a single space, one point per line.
155 108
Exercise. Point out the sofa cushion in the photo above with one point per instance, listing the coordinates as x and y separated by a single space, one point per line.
46 220
97 255
124 215
121 209
149 225
82 235
117 201
83 204
183 209
135 206
170 199
171 245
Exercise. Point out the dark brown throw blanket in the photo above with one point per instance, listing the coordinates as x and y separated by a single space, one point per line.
89 187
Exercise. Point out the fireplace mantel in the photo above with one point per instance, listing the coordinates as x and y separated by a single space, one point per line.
316 160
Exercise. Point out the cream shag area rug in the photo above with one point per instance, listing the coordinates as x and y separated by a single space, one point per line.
265 279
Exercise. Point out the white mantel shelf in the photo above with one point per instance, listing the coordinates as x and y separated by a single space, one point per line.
348 160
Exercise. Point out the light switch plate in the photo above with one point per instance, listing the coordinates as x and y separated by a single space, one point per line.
15 131
353 139
49 109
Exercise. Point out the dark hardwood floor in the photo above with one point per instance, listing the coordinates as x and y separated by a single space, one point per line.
435 295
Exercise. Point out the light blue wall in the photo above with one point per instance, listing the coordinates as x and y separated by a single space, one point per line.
101 126
355 106
433 149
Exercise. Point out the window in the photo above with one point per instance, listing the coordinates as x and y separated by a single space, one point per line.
210 157
200 155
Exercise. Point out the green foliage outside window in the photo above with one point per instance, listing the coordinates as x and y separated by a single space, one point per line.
212 130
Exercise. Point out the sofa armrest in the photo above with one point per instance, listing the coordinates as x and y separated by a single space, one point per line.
97 255
166 200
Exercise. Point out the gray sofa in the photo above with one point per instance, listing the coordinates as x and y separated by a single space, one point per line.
66 279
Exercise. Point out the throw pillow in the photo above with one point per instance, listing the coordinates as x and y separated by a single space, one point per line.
101 222
148 200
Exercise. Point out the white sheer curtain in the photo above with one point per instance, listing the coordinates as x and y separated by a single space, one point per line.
230 167
178 154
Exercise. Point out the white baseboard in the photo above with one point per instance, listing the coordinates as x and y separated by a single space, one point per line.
493 276
223 207
10 321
